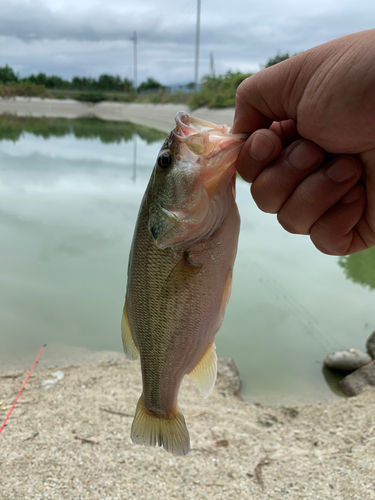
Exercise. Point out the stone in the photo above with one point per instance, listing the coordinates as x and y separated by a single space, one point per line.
370 345
228 371
356 381
347 361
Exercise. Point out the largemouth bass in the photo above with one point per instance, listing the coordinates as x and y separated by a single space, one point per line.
180 274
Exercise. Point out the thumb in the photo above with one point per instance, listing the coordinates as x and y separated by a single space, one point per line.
270 95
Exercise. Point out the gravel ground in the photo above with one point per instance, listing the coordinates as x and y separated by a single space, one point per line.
71 441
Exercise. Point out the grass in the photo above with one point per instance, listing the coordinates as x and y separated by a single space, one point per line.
216 92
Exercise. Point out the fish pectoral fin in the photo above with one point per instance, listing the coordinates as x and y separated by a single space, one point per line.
181 275
130 348
204 374
153 430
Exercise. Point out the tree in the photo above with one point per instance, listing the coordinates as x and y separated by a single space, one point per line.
56 82
39 79
278 58
150 84
110 82
7 74
84 83
128 85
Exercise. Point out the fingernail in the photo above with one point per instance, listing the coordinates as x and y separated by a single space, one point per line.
342 170
261 148
353 195
304 156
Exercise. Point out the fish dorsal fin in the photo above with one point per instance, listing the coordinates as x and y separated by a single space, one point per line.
204 374
130 348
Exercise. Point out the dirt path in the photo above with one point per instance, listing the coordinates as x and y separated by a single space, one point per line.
71 441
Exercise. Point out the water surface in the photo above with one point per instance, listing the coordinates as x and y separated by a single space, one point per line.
69 196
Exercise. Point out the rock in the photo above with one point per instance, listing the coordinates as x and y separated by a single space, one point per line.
227 369
354 383
59 375
370 345
347 361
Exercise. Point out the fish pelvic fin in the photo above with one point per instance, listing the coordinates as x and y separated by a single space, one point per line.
130 348
204 374
152 430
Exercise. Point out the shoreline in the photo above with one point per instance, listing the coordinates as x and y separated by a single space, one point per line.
69 437
157 116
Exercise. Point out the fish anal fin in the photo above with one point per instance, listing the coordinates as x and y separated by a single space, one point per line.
152 430
130 348
204 374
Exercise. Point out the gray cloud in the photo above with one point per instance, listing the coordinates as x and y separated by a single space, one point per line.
88 38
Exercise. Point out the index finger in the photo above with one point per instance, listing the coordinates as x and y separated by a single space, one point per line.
267 96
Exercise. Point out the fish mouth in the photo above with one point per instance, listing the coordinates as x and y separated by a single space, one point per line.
187 124
210 146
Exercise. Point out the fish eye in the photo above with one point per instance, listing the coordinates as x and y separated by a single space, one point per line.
164 160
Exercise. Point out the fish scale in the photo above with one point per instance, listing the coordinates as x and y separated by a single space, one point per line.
179 274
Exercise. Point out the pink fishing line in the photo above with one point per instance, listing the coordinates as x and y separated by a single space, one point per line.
22 388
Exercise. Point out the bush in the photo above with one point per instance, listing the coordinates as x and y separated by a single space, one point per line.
278 58
90 96
26 89
218 92
60 95
150 85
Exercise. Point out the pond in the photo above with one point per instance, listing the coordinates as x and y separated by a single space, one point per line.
69 196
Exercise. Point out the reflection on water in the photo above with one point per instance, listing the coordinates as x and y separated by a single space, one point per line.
333 379
134 157
14 127
69 197
360 267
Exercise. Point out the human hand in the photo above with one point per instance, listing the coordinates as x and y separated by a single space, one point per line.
311 152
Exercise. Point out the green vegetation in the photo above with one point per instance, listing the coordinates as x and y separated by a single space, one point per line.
278 58
7 75
90 96
218 92
27 89
150 85
360 267
13 127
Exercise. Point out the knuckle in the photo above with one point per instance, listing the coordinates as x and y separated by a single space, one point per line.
292 226
243 90
306 197
265 195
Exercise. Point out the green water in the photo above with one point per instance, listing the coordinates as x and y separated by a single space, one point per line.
69 196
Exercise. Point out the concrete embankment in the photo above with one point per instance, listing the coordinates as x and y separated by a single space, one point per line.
158 116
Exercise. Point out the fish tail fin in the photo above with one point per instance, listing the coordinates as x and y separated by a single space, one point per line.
151 430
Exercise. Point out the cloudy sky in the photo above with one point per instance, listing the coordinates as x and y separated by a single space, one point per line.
90 37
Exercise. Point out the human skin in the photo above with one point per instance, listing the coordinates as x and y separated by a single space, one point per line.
311 152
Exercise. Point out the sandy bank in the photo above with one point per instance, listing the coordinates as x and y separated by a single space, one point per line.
72 441
158 116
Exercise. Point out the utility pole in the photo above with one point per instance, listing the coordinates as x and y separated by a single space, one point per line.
197 45
212 65
134 40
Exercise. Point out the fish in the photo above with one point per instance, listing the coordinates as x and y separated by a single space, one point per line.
180 274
